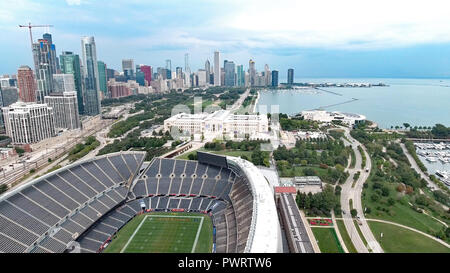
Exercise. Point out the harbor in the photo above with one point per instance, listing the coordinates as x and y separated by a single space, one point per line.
436 157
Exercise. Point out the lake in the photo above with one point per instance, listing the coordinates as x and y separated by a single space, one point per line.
419 102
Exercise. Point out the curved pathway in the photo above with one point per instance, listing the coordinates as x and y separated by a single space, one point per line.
412 229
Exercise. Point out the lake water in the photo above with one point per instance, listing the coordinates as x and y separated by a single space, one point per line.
419 102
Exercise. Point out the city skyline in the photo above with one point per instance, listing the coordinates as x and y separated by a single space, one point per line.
394 46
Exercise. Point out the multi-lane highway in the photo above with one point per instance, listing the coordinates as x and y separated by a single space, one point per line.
354 193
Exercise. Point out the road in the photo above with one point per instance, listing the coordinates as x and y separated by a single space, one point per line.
413 163
348 192
237 104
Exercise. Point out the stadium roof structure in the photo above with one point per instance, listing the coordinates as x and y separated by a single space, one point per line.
265 231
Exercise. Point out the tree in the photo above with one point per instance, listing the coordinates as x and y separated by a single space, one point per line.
407 125
19 150
375 197
385 191
353 212
3 188
440 131
391 201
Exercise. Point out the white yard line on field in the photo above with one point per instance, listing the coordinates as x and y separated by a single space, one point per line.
134 233
166 216
196 236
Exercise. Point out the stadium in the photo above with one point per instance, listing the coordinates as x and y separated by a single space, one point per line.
119 203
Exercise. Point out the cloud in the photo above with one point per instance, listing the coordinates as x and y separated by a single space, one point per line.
346 24
73 2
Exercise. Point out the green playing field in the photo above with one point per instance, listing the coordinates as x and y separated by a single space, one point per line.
164 233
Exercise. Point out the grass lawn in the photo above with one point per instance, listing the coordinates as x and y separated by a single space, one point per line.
327 240
400 213
236 153
400 240
344 234
164 233
299 171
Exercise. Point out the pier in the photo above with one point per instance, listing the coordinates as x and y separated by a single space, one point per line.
331 92
336 104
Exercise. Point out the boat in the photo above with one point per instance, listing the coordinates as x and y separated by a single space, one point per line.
431 159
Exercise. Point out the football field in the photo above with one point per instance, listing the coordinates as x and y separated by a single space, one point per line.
164 233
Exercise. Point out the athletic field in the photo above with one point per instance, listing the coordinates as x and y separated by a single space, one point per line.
164 233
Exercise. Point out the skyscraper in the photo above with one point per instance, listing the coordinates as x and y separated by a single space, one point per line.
63 83
290 76
102 78
179 72
45 62
128 68
208 70
90 75
27 122
169 69
201 77
252 72
147 70
27 86
240 75
53 58
70 64
187 71
267 76
65 109
229 68
274 78
140 76
217 68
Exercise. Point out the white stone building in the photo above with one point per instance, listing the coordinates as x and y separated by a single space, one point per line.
219 123
325 116
27 123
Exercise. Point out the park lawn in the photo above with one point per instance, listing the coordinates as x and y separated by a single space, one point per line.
327 240
402 214
344 234
164 235
400 240
299 171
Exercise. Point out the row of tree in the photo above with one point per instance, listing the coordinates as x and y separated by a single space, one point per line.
319 204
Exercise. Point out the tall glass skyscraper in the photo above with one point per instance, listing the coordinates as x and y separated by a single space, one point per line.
140 76
45 62
290 76
91 78
216 68
102 78
240 75
229 68
252 72
128 68
147 70
70 64
274 78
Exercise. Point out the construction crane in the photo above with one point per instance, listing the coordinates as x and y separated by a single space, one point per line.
29 26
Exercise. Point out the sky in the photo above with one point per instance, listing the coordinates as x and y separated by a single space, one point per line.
320 38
